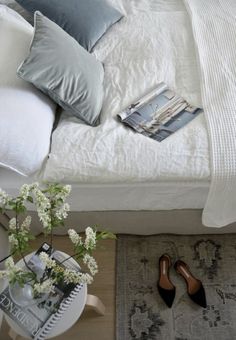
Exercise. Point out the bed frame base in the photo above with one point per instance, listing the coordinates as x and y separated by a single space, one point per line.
136 222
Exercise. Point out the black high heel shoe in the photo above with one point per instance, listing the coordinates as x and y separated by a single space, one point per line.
195 289
165 287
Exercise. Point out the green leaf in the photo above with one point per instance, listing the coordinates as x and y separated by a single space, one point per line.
107 235
30 199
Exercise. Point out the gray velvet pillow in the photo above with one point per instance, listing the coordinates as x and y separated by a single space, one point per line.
64 70
85 20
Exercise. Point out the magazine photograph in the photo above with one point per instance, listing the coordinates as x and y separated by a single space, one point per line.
159 114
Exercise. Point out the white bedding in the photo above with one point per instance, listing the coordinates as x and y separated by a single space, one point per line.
110 166
146 47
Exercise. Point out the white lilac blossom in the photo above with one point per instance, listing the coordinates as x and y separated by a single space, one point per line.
90 240
62 213
9 263
21 233
11 269
91 263
25 226
45 287
74 237
3 197
64 193
25 191
26 223
3 274
12 224
72 276
43 208
13 240
41 200
66 189
45 219
85 278
47 261
34 185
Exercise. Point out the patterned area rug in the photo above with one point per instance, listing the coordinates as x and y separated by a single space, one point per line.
142 315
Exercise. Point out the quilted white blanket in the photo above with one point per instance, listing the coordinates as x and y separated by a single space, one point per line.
214 28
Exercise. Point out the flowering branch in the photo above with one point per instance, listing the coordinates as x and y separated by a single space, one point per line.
52 211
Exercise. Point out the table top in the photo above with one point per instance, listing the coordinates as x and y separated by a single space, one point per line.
67 320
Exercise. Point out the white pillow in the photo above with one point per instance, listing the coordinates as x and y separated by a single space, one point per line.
26 115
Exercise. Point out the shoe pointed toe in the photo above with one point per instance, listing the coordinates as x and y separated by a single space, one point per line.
168 295
199 297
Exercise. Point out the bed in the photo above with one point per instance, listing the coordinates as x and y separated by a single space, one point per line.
128 182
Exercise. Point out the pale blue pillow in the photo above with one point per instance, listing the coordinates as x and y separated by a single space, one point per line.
85 20
64 70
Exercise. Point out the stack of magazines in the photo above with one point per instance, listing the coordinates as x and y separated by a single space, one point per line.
159 114
40 317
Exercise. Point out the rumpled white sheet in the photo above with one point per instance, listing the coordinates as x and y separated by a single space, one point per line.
153 43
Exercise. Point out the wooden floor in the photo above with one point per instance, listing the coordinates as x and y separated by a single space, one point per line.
90 326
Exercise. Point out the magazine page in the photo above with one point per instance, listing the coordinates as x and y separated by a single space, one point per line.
159 114
142 102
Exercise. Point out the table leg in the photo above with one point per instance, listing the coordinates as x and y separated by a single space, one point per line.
96 304
13 335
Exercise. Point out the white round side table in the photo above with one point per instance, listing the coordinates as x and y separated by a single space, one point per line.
67 320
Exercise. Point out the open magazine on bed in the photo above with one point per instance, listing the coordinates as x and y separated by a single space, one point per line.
159 114
38 318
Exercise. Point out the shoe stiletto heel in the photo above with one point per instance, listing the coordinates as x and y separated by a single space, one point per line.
195 289
165 287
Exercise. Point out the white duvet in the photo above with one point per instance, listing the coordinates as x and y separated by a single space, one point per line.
152 43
